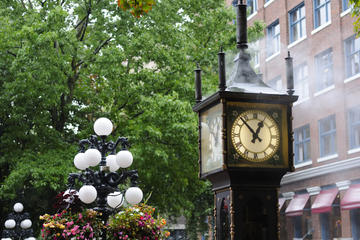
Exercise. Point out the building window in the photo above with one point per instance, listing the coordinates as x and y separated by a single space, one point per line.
327 133
297 23
251 6
273 38
276 83
324 71
355 223
302 144
322 12
301 81
325 226
352 56
345 5
354 127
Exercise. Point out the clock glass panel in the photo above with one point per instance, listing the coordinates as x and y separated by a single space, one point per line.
211 139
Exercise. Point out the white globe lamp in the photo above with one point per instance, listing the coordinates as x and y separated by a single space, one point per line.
87 194
30 238
115 199
112 163
25 224
103 127
124 158
133 195
18 207
92 157
80 161
10 223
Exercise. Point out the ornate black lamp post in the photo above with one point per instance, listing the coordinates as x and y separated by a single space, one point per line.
18 225
102 185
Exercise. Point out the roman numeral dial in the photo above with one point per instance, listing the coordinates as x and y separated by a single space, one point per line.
255 135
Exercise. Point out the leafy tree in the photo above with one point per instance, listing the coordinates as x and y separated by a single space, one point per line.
356 13
64 63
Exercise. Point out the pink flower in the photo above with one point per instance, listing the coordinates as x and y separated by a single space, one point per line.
68 224
80 216
74 230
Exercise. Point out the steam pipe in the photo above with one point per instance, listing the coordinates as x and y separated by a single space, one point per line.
222 78
289 74
241 27
198 95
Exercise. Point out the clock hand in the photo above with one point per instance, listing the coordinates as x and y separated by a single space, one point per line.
248 126
256 134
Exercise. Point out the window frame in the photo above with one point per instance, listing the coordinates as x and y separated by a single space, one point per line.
331 133
302 19
349 44
320 67
271 37
345 4
303 143
254 6
352 125
327 12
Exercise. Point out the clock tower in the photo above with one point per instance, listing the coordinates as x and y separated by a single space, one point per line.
245 145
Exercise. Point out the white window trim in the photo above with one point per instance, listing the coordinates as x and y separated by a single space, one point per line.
346 12
251 15
272 56
352 78
354 150
301 101
296 42
320 27
307 163
325 90
257 65
268 3
326 158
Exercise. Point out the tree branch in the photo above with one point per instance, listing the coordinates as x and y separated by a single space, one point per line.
11 53
137 114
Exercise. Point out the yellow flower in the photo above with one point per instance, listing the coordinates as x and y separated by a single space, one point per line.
167 234
58 234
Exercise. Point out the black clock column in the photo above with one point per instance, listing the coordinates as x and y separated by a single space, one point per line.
245 185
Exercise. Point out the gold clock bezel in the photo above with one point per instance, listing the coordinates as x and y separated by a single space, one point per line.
240 134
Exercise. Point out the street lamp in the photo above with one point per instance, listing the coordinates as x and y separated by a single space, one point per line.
102 185
18 225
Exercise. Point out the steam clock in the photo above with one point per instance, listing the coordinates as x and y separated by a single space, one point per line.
245 145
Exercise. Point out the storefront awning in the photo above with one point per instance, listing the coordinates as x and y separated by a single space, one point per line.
324 201
281 203
296 205
351 198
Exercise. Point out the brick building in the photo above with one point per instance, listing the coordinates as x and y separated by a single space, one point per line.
321 199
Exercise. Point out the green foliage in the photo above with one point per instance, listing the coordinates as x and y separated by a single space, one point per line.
356 14
65 63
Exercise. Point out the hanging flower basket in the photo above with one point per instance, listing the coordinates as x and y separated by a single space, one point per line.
68 225
137 223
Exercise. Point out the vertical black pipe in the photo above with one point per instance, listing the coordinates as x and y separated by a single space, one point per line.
198 95
289 74
241 27
222 78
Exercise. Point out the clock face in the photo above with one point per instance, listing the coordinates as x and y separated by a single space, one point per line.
255 135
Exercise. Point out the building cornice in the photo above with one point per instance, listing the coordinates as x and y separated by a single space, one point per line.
321 170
